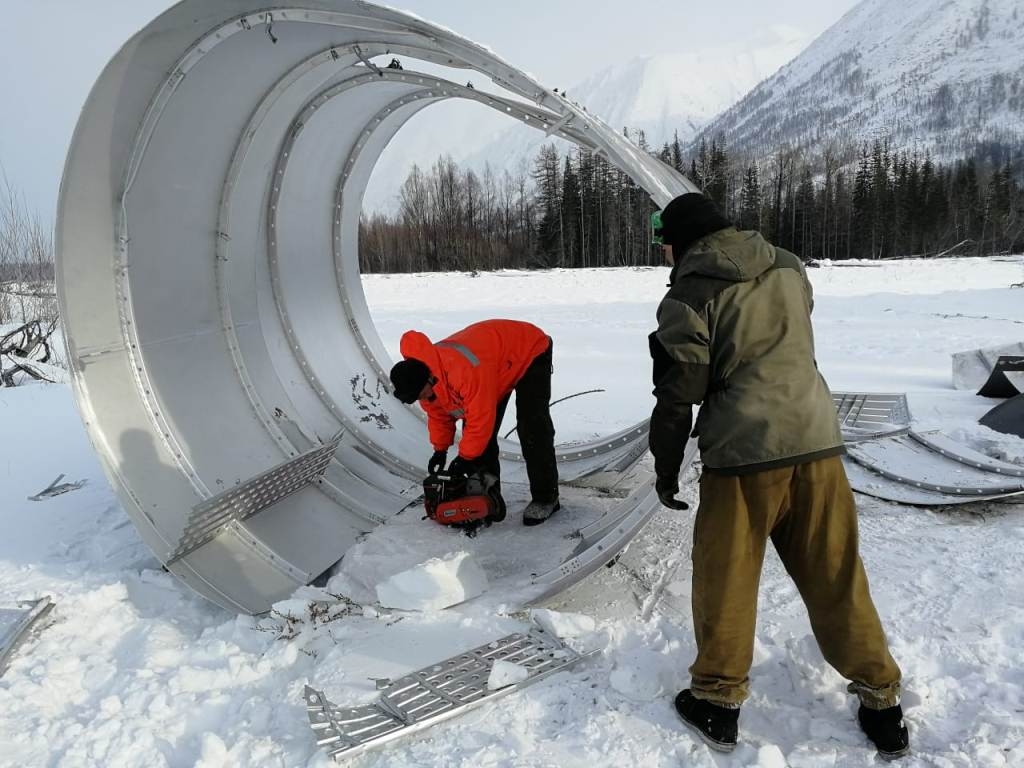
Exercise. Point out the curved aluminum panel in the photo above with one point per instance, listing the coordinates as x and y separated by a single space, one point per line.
207 268
870 483
922 463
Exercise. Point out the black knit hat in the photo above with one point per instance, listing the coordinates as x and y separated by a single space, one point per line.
408 378
688 218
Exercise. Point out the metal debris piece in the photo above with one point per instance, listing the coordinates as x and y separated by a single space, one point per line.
254 495
15 624
999 384
56 488
927 464
953 449
866 415
972 368
1007 417
438 692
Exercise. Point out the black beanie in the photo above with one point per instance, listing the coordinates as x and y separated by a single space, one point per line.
687 219
408 378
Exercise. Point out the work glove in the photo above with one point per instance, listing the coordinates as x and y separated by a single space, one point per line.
667 488
437 462
462 467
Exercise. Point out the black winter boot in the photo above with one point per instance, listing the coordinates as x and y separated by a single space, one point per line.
885 727
537 512
716 725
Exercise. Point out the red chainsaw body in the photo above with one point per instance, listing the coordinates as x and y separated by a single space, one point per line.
456 500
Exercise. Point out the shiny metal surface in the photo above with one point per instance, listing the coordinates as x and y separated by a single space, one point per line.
930 463
207 269
16 623
449 688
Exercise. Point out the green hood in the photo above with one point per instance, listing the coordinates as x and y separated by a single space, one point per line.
727 255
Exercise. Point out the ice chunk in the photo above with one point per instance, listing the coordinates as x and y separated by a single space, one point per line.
506 673
563 624
292 608
435 584
770 756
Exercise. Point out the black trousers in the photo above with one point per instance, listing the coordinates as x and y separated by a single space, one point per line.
536 432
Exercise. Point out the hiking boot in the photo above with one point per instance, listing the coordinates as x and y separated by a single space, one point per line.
885 727
537 512
718 726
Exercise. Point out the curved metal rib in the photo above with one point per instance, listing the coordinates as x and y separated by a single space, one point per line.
208 275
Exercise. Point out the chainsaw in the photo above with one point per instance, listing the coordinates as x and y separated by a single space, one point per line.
457 500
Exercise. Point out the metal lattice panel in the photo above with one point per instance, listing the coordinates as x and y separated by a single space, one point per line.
433 694
866 414
243 501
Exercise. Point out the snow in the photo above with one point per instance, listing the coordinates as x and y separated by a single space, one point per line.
510 561
880 326
134 670
439 583
562 624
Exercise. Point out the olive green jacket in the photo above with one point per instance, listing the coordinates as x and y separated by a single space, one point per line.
734 333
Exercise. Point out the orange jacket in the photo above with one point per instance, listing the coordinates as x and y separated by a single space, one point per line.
475 368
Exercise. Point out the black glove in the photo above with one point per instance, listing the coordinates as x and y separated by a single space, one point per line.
437 462
667 488
461 466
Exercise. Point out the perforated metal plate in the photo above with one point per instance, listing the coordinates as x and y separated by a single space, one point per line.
243 501
433 694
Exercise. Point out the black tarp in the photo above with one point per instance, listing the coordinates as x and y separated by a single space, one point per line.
998 385
1007 417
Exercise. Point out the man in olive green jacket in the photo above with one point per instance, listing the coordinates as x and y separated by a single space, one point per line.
734 335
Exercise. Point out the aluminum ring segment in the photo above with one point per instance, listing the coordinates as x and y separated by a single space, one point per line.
207 270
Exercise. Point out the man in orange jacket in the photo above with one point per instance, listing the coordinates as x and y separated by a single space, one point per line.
470 376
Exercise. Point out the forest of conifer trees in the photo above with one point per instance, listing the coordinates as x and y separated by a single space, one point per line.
576 210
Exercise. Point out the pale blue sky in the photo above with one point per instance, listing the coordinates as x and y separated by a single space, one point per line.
53 50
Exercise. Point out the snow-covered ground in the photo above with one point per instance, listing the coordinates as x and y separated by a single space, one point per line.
134 670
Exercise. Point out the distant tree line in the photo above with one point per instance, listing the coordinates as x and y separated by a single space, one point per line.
26 262
577 210
571 211
28 302
887 204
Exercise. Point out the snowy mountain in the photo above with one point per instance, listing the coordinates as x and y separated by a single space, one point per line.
683 91
657 94
936 75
